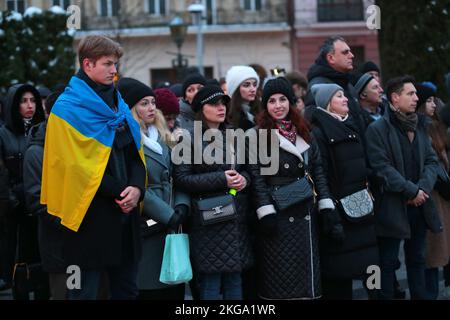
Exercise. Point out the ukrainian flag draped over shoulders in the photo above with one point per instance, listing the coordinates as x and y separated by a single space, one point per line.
78 142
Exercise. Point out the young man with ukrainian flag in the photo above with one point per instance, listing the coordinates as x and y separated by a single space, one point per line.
94 174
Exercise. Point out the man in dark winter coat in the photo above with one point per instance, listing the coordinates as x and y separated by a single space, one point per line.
94 133
370 95
333 65
401 155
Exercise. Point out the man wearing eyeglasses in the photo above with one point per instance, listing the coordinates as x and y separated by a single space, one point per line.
333 65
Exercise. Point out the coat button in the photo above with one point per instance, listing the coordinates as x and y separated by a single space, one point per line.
291 219
286 165
307 217
300 165
332 140
349 135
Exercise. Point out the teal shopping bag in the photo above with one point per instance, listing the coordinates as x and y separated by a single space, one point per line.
176 265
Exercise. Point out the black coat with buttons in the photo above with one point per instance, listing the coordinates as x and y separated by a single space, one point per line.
288 262
344 164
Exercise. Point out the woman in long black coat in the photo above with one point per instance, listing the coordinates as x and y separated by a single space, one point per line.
220 251
343 158
288 253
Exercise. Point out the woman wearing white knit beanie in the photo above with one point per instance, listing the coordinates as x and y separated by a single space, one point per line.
242 83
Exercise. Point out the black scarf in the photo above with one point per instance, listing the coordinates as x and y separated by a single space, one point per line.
106 92
321 68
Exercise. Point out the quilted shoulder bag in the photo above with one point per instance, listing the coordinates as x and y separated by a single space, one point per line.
216 209
358 205
293 193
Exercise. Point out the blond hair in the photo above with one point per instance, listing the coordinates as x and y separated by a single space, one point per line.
160 124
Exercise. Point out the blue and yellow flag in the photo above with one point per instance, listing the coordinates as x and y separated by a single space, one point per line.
78 142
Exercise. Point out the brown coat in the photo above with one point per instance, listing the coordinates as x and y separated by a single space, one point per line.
438 244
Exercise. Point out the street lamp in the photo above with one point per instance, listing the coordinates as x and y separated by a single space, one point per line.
197 9
178 30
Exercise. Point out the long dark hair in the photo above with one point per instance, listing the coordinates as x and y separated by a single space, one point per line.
265 121
438 133
235 107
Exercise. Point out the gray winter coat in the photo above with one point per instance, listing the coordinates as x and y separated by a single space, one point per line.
158 208
386 159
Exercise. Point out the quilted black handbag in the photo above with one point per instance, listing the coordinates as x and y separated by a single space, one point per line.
288 195
216 209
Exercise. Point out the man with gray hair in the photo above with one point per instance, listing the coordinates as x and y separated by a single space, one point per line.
333 65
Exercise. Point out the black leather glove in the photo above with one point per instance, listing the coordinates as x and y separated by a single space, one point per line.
268 225
179 216
332 226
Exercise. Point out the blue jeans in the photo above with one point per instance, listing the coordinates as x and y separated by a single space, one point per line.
414 258
122 281
230 283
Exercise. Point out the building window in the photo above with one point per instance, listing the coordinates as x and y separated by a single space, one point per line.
211 11
252 5
340 10
62 3
156 7
108 8
15 5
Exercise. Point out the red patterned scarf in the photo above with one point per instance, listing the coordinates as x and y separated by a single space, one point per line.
287 130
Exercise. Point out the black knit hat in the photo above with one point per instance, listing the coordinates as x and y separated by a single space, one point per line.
277 85
368 66
192 78
133 90
423 93
208 94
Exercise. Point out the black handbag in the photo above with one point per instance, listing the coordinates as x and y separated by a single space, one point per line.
216 209
443 183
288 195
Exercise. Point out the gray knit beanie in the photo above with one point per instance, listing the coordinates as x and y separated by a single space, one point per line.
323 93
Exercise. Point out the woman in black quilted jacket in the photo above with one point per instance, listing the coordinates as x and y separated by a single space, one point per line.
219 251
288 254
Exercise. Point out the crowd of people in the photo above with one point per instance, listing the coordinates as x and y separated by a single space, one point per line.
88 179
